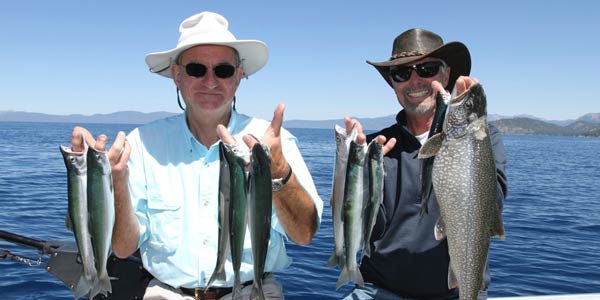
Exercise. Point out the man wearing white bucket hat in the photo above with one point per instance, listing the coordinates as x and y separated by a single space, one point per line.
166 173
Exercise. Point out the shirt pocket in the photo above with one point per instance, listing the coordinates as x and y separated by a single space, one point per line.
166 223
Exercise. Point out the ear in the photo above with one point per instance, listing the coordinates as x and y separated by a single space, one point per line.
175 73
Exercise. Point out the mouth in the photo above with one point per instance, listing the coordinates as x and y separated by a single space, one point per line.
418 94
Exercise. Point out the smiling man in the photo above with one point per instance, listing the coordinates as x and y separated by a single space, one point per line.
166 173
406 261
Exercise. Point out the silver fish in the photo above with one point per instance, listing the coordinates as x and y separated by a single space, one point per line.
260 210
464 181
224 235
354 193
77 217
342 142
237 161
374 164
101 208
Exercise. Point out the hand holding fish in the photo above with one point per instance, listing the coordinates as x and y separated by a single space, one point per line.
463 83
118 154
126 230
361 138
294 208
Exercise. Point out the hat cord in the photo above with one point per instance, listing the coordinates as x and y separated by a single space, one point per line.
179 100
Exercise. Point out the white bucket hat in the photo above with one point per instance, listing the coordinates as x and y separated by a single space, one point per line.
208 28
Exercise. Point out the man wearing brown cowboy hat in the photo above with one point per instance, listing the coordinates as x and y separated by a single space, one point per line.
166 173
406 260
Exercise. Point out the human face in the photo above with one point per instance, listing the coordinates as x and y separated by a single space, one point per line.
208 95
416 94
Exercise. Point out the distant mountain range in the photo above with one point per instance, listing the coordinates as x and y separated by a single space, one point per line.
586 125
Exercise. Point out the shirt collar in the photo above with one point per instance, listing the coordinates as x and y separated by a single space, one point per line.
193 143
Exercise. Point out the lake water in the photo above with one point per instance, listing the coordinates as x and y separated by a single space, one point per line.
551 215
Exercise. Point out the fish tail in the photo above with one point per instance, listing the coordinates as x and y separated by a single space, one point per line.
101 286
257 291
236 291
343 279
335 260
218 274
83 287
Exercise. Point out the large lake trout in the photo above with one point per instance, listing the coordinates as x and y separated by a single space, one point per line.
465 184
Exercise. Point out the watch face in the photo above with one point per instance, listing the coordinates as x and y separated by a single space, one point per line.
277 185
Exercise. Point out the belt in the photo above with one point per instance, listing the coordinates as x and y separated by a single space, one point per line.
212 293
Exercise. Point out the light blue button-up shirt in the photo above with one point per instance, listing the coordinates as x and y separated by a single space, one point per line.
174 184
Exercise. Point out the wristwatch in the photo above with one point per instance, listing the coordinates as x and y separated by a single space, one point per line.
277 184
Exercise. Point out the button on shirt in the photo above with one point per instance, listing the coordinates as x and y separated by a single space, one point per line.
174 184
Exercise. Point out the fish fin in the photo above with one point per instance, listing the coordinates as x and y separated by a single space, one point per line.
69 223
498 226
366 250
452 281
432 146
257 291
439 231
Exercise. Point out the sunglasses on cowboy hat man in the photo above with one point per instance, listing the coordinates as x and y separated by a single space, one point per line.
416 44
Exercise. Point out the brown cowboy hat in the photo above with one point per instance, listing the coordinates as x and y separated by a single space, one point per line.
416 44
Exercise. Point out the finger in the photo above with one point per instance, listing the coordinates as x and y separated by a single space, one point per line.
361 139
79 136
117 148
437 87
277 119
349 124
225 135
250 140
389 146
461 85
101 142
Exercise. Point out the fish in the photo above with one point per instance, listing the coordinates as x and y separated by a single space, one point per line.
260 211
375 171
101 210
465 185
342 141
441 103
236 159
77 214
352 217
223 218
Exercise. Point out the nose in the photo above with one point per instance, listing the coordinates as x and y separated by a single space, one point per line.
210 79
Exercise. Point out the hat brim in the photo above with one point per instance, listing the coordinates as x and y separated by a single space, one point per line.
455 54
253 56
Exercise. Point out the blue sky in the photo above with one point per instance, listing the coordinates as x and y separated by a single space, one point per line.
537 57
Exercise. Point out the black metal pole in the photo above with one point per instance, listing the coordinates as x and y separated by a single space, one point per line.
23 240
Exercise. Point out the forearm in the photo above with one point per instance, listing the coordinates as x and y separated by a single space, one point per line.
126 230
296 211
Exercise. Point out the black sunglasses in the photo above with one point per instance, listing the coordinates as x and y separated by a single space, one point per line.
199 70
424 70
